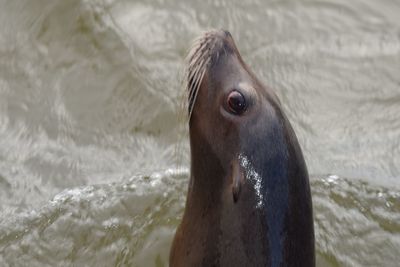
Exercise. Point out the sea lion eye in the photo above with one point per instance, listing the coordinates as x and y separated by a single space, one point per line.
236 102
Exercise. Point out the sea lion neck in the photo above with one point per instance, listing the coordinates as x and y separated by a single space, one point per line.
207 171
210 205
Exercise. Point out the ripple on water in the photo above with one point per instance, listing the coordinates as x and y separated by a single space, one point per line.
133 223
107 224
352 214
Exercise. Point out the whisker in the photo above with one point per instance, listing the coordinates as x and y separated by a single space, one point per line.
195 68
197 62
196 83
193 73
195 48
196 92
192 83
192 77
201 42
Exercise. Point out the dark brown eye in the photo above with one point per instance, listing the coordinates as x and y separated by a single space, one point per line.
236 102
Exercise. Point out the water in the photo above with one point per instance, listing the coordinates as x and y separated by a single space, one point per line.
94 156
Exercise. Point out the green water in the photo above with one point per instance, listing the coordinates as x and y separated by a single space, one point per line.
94 153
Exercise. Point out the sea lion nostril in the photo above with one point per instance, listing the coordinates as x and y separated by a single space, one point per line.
227 34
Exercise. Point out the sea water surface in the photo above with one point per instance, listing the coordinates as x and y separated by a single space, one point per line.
94 153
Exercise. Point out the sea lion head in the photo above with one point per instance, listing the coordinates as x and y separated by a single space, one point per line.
230 110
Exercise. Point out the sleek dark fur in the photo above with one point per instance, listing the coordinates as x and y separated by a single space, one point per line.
249 201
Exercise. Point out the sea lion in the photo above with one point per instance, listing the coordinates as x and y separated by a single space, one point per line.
249 201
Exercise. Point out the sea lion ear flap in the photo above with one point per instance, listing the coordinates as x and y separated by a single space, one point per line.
237 179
